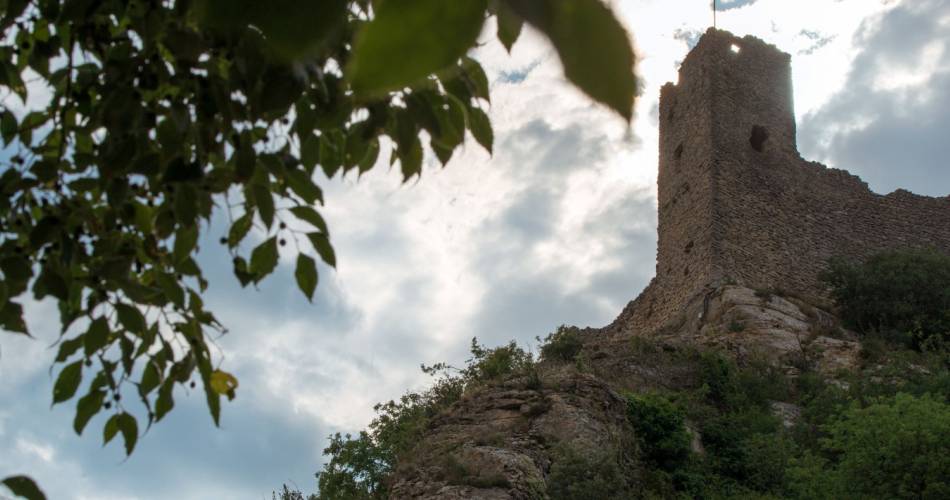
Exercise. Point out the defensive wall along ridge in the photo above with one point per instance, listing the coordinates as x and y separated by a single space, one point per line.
738 204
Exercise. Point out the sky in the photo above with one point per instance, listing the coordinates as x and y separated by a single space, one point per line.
558 226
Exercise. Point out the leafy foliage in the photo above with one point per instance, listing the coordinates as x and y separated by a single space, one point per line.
586 475
564 344
896 447
903 294
661 430
127 126
358 466
288 494
862 425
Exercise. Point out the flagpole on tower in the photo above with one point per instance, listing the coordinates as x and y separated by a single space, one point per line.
714 13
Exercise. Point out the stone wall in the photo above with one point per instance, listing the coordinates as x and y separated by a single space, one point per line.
737 203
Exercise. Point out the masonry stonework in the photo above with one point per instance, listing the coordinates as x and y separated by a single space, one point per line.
736 201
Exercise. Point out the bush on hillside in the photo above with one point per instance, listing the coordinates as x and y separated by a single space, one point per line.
897 447
903 294
586 475
563 345
661 430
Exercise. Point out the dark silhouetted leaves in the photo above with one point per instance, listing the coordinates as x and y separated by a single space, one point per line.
130 318
264 259
308 214
97 336
67 382
130 431
481 128
24 486
509 26
86 408
239 229
173 112
306 275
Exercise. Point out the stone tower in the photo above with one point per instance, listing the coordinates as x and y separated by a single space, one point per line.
736 201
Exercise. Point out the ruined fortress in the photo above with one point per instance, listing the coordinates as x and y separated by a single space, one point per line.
739 210
738 204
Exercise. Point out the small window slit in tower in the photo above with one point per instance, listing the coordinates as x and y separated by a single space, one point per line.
678 153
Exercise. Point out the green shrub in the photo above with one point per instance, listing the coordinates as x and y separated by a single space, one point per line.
491 364
586 475
660 427
904 294
898 447
564 344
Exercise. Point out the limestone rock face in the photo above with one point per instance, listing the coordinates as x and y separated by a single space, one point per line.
498 442
784 330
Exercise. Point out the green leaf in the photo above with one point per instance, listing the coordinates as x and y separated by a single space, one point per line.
17 272
410 159
110 429
239 229
8 127
321 243
332 145
11 318
130 431
223 383
265 203
369 160
186 239
476 78
171 289
509 26
306 275
97 336
309 150
423 35
480 126
24 486
186 204
165 401
301 183
308 214
151 377
67 382
593 46
86 408
68 347
264 259
241 272
131 318
245 159
292 28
